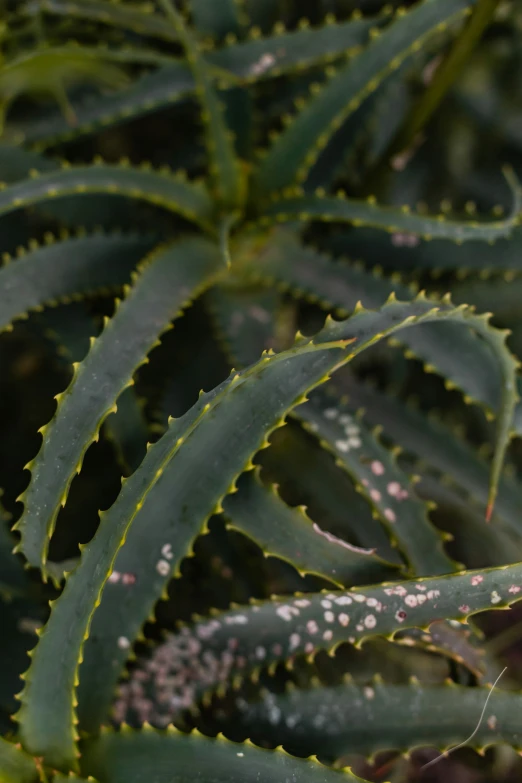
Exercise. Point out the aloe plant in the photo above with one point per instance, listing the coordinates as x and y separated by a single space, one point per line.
277 555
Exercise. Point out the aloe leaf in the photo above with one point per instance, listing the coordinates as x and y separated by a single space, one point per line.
15 766
498 294
405 252
249 62
114 14
321 719
437 446
270 631
65 268
216 20
295 151
71 330
462 357
165 190
167 282
404 514
288 533
13 578
380 479
59 778
391 219
158 514
225 171
244 317
311 476
130 756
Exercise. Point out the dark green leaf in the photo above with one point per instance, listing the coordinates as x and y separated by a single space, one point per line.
15 766
389 717
167 283
295 151
169 191
260 513
157 515
65 269
171 757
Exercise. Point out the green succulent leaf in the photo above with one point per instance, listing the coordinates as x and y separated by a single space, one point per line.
168 757
15 766
436 445
245 319
295 151
321 719
288 533
71 329
311 474
157 514
266 632
378 478
172 192
168 281
225 171
245 62
406 253
369 213
114 14
465 359
216 20
69 268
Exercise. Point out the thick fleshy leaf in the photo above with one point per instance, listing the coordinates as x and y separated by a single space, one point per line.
158 515
380 479
321 721
259 512
436 445
216 20
238 642
171 192
245 319
297 148
15 766
172 757
460 356
311 476
65 269
225 171
167 283
401 251
249 61
391 219
114 14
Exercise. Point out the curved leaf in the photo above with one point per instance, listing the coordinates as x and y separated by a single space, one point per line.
297 148
313 478
401 251
437 446
158 515
288 533
114 14
248 61
391 219
462 357
266 632
380 479
15 766
224 166
65 269
216 20
245 320
165 190
168 281
321 719
169 757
